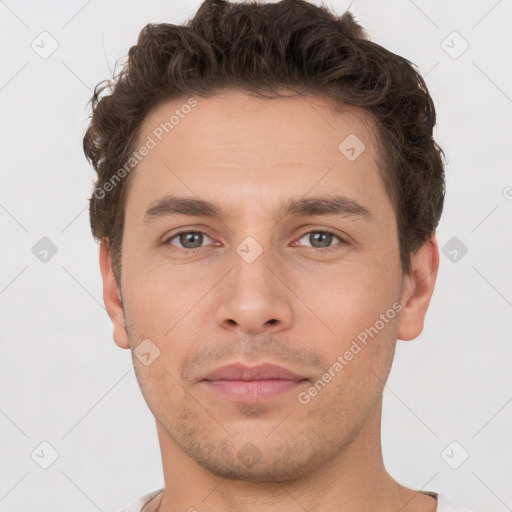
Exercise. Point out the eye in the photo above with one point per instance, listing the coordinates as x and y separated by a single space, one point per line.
321 239
188 239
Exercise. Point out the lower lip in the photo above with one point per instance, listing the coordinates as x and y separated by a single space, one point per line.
253 391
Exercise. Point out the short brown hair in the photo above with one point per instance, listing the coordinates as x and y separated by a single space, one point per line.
261 48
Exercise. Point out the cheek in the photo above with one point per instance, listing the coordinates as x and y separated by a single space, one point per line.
352 316
358 350
161 297
343 300
166 307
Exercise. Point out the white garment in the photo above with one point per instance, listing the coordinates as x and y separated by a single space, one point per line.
443 504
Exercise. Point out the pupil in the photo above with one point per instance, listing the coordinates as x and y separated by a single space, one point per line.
324 237
188 237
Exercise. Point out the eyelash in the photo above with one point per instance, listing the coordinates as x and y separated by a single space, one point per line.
324 249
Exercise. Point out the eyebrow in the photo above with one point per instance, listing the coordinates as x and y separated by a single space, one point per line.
169 206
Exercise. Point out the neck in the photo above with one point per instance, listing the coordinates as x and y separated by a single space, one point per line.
352 478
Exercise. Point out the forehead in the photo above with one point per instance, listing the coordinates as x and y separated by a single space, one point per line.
235 143
238 117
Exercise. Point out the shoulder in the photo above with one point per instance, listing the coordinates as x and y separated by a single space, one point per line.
445 505
140 502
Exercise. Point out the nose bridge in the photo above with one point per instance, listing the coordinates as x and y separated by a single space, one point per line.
253 297
253 247
251 263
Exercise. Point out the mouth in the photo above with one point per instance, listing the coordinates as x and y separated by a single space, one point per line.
253 391
257 384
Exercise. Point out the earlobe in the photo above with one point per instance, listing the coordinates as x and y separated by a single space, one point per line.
112 297
418 289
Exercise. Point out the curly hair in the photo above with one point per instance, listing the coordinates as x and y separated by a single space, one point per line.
262 48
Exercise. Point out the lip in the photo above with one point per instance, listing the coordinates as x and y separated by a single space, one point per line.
256 384
242 372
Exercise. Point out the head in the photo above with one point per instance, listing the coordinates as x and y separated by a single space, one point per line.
225 147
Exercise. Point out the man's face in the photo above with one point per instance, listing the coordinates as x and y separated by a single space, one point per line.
259 285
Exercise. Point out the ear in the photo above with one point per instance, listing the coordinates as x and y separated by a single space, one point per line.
112 297
418 287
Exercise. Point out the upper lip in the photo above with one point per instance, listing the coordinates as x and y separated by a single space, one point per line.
239 371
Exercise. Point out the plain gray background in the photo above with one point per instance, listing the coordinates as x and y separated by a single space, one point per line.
65 382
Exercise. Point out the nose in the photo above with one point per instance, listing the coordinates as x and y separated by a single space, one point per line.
254 297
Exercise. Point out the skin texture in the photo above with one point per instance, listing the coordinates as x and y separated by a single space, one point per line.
294 305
